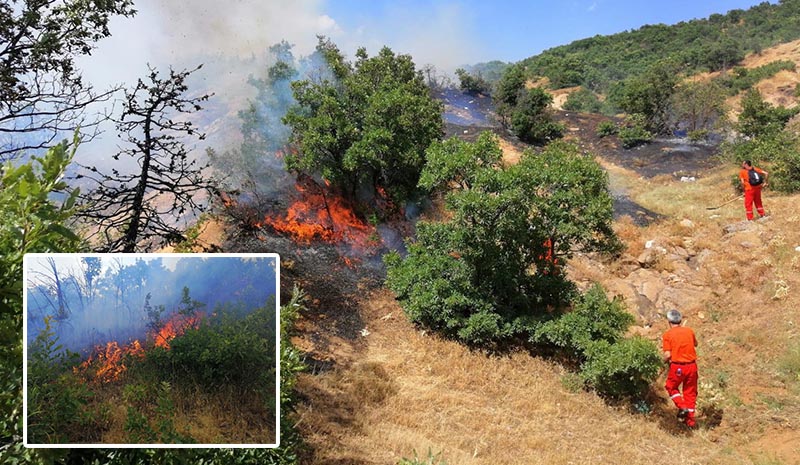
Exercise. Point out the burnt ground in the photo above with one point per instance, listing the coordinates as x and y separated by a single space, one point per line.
466 116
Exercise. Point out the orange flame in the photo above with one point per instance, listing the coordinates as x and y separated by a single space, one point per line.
174 327
321 217
108 362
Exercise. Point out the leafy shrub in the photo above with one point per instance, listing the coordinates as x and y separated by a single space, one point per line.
472 84
743 79
223 350
592 334
487 276
606 128
698 135
583 100
623 369
634 132
58 402
531 120
161 429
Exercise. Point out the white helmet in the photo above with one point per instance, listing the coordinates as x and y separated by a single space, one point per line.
674 316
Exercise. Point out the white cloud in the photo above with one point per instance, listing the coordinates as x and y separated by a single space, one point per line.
592 7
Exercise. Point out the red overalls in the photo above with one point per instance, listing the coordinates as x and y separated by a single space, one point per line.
752 194
681 342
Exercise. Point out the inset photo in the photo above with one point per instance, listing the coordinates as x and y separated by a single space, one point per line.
151 350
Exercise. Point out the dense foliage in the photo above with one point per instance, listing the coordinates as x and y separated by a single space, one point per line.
583 100
489 276
649 94
593 335
768 135
364 125
29 222
486 275
718 42
741 78
472 83
531 119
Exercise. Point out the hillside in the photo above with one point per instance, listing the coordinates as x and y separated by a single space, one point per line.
390 388
382 389
700 45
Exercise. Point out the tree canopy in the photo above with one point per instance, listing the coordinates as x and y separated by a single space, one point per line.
41 90
127 208
486 274
711 44
363 125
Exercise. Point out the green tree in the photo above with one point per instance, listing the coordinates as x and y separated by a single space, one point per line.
650 94
584 100
698 105
41 90
470 83
486 276
759 119
129 208
531 119
367 125
508 91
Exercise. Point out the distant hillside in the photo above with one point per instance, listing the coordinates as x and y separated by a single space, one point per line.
701 45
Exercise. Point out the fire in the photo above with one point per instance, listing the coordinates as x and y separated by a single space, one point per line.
320 216
174 327
108 362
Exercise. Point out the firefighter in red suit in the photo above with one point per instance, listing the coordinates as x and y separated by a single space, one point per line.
679 344
752 194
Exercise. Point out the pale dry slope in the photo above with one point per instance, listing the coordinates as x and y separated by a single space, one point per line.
402 389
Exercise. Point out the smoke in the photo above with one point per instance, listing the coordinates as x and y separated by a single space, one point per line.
443 35
112 304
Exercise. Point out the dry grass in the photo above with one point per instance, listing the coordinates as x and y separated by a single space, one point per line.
402 389
224 416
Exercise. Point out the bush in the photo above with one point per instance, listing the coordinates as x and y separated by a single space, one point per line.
623 369
531 120
592 334
698 135
58 402
583 100
224 350
607 128
634 132
472 84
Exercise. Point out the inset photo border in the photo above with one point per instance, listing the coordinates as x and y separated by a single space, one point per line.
151 350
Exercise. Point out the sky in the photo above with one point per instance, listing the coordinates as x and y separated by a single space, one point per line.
446 34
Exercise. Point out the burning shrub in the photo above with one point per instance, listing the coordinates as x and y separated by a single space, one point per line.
221 350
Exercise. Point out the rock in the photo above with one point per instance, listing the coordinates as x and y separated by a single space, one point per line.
687 223
740 226
747 245
681 253
797 249
704 255
649 244
651 289
649 257
688 179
